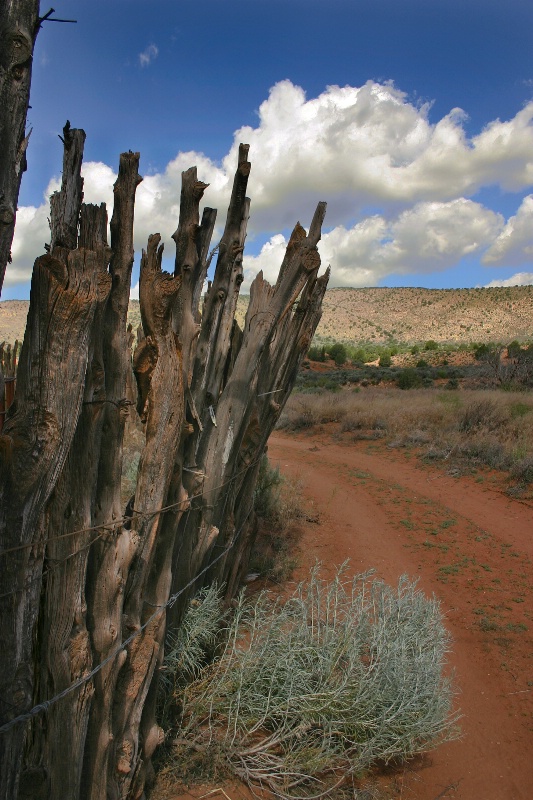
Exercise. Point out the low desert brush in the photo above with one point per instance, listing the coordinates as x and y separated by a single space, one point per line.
311 691
479 428
279 506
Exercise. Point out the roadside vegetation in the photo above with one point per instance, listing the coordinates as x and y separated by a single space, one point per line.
472 416
279 507
307 693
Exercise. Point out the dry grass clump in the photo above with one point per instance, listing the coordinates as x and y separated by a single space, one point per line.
279 506
311 691
484 413
308 411
473 428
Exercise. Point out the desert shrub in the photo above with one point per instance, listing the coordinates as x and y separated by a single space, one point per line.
449 420
338 353
279 506
362 419
316 353
277 499
514 349
484 450
519 409
422 364
481 414
483 351
267 490
188 649
522 470
409 378
385 360
315 689
431 344
415 349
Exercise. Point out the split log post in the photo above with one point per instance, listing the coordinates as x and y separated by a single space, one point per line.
55 754
227 449
19 25
109 563
34 445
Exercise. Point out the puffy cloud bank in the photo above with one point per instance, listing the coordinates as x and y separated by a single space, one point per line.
399 188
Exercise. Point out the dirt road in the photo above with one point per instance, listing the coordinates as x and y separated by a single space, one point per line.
469 544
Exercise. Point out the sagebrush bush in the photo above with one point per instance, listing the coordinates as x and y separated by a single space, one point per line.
188 650
314 689
522 470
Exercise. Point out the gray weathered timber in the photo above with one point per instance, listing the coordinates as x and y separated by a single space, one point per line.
35 443
19 25
55 753
208 396
110 561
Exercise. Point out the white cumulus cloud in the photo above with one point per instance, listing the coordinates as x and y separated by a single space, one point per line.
426 238
514 245
519 279
357 148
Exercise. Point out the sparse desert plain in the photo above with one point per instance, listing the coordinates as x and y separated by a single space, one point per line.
378 314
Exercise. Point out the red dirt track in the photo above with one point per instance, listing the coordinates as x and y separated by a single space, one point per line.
469 544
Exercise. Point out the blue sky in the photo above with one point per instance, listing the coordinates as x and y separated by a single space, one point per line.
411 118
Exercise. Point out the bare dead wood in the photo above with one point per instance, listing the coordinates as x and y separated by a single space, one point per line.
65 205
109 563
34 444
58 750
19 24
149 579
209 395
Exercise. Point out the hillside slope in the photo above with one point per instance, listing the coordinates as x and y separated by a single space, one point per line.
381 314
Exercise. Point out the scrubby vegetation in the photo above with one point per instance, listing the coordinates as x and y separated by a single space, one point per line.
308 692
279 507
467 429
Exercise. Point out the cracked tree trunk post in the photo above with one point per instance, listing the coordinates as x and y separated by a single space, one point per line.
225 451
109 563
55 754
35 443
19 25
239 384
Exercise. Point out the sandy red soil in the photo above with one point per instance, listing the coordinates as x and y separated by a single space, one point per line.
470 545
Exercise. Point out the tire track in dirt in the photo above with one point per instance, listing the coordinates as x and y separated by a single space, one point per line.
470 545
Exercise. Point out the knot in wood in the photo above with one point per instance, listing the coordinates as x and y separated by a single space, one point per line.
311 260
21 46
7 215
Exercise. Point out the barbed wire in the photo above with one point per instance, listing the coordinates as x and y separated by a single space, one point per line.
45 705
56 563
41 707
111 526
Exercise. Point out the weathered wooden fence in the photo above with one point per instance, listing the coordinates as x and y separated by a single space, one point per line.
87 587
8 376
